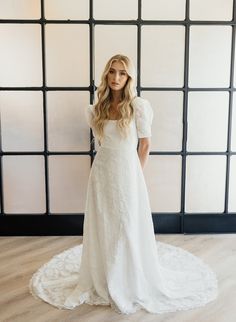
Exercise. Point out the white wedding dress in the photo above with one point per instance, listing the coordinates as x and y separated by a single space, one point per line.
120 263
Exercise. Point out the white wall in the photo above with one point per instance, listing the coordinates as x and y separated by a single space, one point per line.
163 65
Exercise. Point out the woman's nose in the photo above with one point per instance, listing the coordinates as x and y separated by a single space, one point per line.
116 76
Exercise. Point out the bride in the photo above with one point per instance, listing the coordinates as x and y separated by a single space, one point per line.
120 263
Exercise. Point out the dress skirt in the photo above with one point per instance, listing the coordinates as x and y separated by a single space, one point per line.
121 263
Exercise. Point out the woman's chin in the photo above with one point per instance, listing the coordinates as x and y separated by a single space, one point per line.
115 88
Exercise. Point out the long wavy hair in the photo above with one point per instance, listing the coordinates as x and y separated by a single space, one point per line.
104 94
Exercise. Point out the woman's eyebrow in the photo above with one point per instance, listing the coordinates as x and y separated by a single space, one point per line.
121 70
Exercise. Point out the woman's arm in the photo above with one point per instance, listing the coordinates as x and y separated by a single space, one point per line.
143 150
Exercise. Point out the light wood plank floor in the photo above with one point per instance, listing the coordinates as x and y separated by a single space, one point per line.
20 257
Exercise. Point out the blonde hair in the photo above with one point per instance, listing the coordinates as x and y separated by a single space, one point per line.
101 108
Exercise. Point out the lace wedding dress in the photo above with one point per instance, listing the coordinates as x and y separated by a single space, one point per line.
120 263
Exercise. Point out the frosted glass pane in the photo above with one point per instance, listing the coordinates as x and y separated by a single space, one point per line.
233 131
209 47
232 184
20 55
67 127
211 9
68 178
22 121
20 9
163 9
67 55
207 121
163 177
115 10
24 184
118 39
162 64
69 9
167 125
205 183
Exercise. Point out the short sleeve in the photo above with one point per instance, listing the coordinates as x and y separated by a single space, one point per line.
89 110
143 117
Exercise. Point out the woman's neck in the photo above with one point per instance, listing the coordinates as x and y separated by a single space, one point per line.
116 97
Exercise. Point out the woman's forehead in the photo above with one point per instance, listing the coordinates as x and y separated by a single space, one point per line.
118 65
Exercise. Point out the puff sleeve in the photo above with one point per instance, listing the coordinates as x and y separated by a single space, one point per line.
89 110
143 117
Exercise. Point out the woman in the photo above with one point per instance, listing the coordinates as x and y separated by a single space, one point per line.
120 263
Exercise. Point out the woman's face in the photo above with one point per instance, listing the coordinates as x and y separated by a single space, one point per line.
117 76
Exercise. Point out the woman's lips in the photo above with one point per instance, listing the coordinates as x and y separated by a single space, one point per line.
115 84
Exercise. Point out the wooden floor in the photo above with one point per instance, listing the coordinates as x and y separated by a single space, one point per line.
20 257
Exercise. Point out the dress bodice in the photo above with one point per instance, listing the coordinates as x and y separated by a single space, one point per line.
113 139
139 127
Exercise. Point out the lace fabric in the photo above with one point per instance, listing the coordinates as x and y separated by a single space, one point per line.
120 262
55 281
143 117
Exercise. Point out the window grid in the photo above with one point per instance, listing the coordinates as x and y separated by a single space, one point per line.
92 88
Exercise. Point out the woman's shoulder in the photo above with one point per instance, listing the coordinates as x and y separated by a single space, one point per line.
142 106
143 116
137 100
89 112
